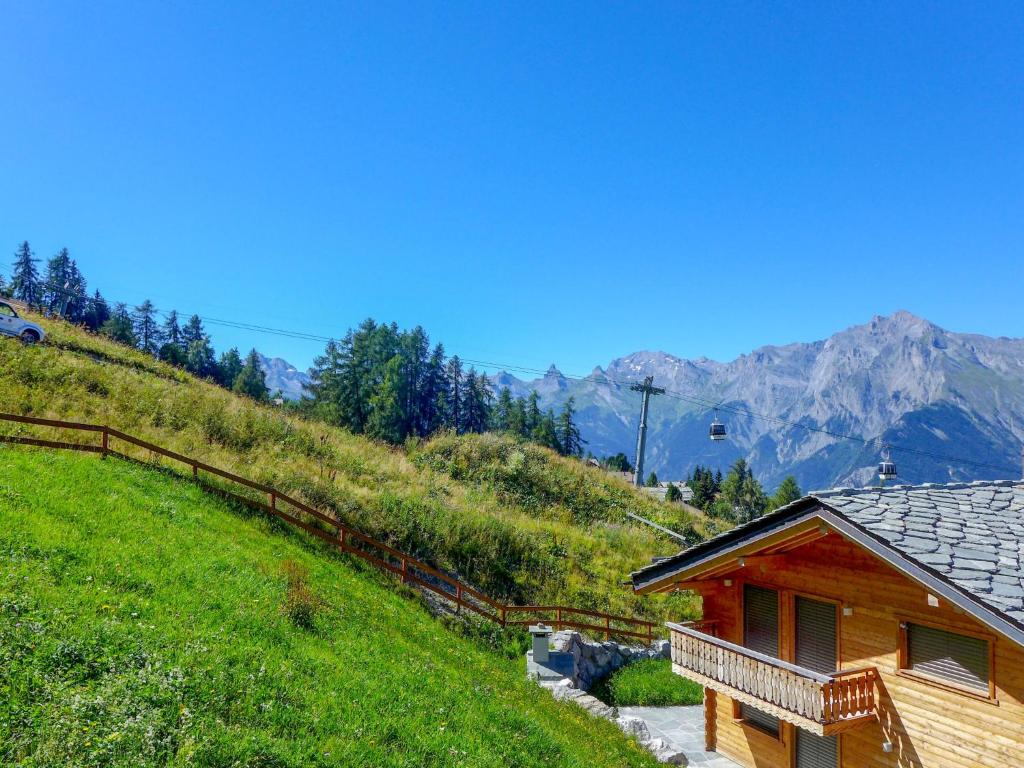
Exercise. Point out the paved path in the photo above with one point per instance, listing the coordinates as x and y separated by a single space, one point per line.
683 729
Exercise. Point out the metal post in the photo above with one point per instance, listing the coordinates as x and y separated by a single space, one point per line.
646 389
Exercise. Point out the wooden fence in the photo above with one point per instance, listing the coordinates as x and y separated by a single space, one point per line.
291 510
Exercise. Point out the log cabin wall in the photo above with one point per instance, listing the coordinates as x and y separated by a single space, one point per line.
928 725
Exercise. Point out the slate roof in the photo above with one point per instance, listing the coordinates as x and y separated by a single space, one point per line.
970 535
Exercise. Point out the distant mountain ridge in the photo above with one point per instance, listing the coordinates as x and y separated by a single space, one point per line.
901 379
283 377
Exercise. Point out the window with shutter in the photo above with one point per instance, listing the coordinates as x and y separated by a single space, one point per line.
761 634
954 658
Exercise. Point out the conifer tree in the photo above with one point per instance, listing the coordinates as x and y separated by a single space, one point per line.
97 312
172 351
501 414
119 326
57 288
386 414
193 331
3 286
199 359
533 414
25 285
252 381
147 332
787 492
652 480
568 431
455 394
228 368
546 433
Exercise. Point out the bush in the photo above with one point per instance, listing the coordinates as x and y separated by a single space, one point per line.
648 683
300 604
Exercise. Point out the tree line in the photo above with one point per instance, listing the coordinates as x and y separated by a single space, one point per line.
391 384
738 496
62 292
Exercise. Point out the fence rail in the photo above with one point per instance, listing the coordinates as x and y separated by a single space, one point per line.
404 566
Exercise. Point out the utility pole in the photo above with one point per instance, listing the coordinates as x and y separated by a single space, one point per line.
647 389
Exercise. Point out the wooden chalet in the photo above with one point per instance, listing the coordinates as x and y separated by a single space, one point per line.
874 628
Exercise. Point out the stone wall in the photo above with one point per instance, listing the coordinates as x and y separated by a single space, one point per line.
593 661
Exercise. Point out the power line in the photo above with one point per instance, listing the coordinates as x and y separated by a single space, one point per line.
603 379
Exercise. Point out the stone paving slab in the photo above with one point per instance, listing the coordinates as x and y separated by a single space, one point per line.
683 729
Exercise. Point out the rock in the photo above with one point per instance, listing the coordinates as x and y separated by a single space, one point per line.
634 726
663 753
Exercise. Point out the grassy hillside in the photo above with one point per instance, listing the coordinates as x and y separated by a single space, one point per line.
143 622
560 536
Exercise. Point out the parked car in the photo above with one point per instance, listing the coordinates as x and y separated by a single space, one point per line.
13 325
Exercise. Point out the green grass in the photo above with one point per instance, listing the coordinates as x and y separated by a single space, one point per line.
517 521
648 683
144 622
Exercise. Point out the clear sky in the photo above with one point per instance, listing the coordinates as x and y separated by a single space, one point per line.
531 182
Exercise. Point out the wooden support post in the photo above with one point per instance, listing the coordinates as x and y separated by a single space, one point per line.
710 722
558 619
404 568
195 471
273 502
106 440
458 599
341 535
503 615
607 628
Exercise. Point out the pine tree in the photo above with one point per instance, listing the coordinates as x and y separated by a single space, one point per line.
652 480
119 326
568 432
787 492
229 367
672 493
77 307
97 313
199 359
455 394
517 417
546 433
3 286
25 284
742 493
147 332
57 289
476 402
501 415
173 351
252 381
533 414
386 413
193 331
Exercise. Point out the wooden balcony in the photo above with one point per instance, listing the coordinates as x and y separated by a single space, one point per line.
821 704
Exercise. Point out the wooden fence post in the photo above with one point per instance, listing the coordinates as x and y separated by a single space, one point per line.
106 438
273 502
558 619
195 471
607 628
458 599
503 615
404 568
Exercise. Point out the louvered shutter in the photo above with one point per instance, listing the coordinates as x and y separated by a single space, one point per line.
761 620
948 656
813 751
816 635
761 634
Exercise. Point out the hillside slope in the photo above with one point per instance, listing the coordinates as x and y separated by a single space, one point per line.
142 623
520 550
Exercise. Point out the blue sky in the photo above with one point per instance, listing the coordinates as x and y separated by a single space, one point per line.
532 183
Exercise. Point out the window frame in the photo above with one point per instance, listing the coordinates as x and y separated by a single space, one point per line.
903 660
737 707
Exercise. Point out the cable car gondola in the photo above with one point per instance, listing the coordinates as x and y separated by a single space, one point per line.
717 430
886 467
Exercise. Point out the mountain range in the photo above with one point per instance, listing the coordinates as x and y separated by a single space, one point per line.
949 405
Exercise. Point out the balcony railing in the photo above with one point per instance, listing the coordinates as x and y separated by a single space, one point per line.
822 704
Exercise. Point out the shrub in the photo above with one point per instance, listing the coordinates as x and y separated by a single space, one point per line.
300 604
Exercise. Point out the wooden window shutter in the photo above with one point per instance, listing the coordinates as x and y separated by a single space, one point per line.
958 659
